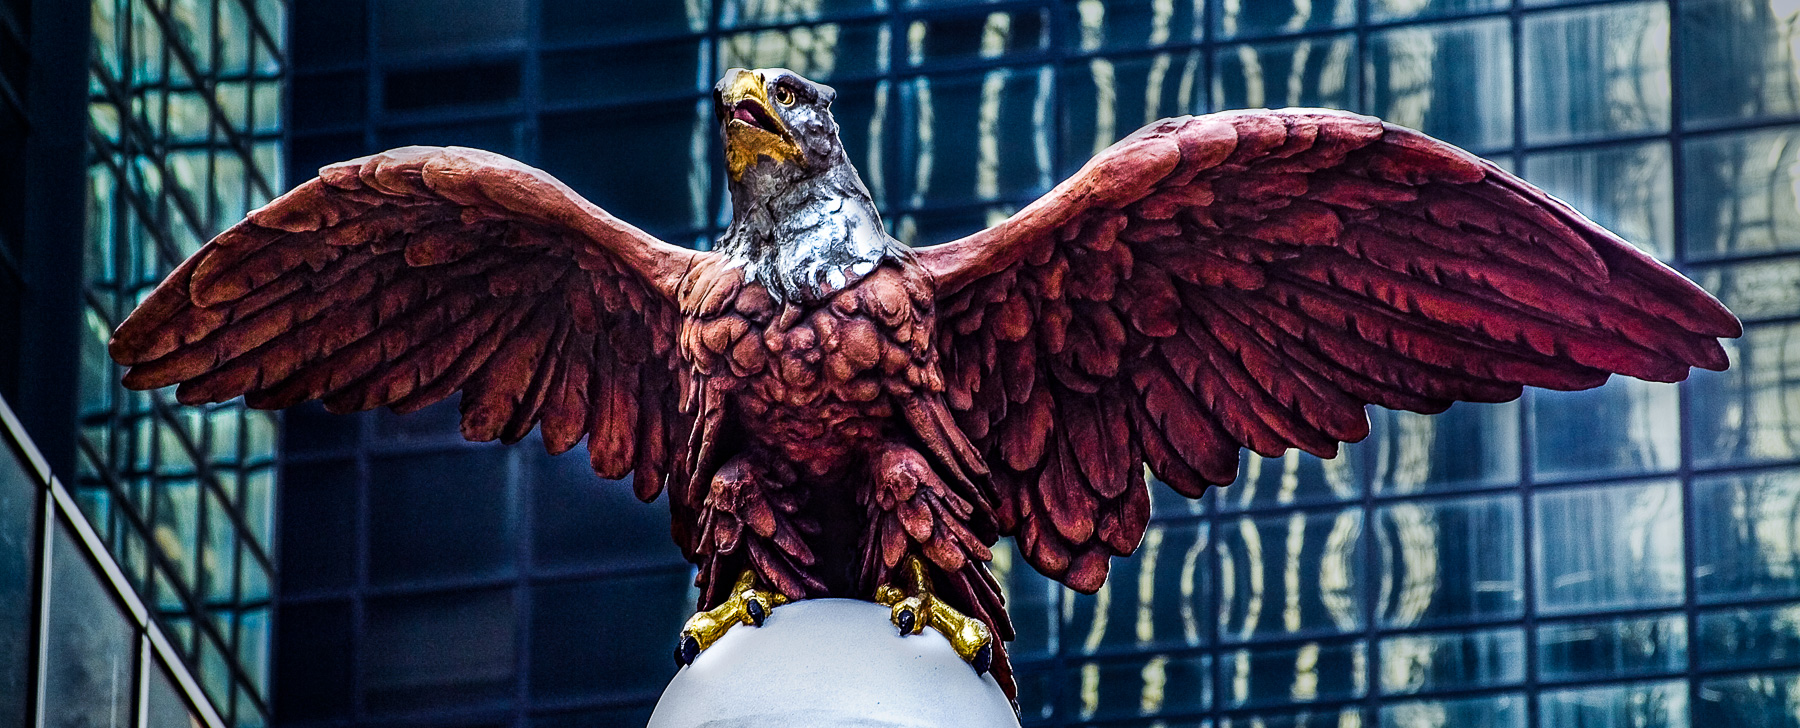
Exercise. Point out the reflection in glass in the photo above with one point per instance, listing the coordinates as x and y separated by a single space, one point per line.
1154 598
1750 637
19 540
1629 189
970 36
1306 72
1755 700
1434 662
1243 18
738 13
1104 99
1747 536
1032 602
1291 574
1640 705
1449 561
1614 547
1338 718
1494 711
1627 426
1754 290
606 76
1116 24
577 20
1000 150
1307 673
1596 71
1740 193
1140 687
1387 10
1750 412
1468 446
1738 60
166 706
1592 649
819 52
1293 478
1451 81
91 651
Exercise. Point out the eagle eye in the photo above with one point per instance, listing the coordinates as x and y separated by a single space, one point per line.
784 95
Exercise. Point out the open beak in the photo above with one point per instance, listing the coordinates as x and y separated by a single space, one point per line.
745 105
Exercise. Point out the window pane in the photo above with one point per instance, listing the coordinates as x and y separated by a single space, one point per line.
1498 711
91 651
1595 649
1627 426
939 39
167 707
972 137
1750 412
412 26
591 151
1468 446
1140 687
1764 636
19 489
1307 72
1757 700
1759 289
1293 574
1738 191
1154 598
1737 60
1629 189
818 52
313 666
1092 25
1449 561
1031 601
442 516
622 651
585 522
467 658
1451 81
318 520
1294 478
576 20
1427 663
1746 536
1239 18
1609 548
1386 10
1105 99
607 76
1644 705
1293 674
734 13
1597 72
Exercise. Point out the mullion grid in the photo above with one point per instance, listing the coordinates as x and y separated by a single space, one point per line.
141 225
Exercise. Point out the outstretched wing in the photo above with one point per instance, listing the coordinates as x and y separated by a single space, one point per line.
1253 279
400 278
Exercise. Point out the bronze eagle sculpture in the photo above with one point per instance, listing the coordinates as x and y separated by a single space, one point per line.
833 413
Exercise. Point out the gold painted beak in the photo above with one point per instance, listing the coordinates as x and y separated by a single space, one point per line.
752 128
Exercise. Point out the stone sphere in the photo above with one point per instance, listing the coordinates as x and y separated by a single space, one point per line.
831 662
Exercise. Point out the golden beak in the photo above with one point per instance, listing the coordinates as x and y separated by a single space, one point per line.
752 128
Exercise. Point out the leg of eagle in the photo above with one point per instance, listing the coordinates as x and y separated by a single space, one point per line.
912 512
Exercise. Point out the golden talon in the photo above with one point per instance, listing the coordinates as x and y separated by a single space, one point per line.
913 612
747 605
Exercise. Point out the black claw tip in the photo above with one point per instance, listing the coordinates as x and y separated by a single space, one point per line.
757 614
907 621
687 650
984 659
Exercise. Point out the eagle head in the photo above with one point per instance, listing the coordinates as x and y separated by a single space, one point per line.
775 124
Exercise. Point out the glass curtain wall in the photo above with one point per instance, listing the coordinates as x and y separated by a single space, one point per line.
1620 557
184 138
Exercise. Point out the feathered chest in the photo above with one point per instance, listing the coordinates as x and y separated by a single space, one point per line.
816 364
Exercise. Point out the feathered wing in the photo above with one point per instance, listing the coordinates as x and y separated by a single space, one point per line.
400 278
1253 279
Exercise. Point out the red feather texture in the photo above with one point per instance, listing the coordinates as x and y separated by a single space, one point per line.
402 278
1253 279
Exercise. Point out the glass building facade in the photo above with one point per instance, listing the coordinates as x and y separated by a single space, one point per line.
1628 556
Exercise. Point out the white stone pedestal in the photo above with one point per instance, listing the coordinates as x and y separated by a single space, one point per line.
831 662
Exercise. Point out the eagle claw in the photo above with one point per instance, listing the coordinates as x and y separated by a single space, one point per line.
746 605
913 611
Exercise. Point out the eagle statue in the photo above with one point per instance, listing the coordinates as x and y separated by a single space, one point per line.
834 414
